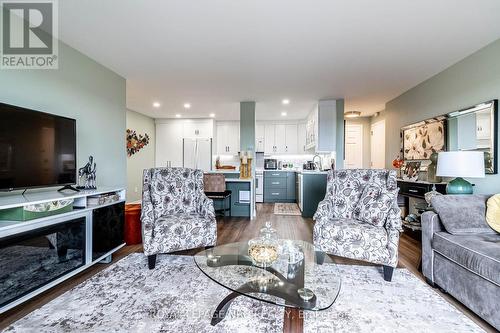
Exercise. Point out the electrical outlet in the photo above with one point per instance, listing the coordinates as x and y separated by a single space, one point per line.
136 189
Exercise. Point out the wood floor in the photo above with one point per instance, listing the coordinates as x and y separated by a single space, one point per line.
235 230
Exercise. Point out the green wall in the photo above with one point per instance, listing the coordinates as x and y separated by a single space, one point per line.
471 81
81 89
144 158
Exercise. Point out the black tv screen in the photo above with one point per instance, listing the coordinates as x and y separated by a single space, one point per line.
36 149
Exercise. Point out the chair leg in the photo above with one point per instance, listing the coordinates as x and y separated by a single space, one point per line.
388 270
152 261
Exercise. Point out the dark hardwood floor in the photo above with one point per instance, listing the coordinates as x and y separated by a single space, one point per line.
234 230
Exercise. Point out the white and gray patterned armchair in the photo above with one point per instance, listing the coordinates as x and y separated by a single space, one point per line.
176 214
360 218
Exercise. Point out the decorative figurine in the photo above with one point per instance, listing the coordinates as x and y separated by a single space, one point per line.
432 168
87 172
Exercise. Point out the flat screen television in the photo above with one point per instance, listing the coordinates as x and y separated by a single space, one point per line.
37 149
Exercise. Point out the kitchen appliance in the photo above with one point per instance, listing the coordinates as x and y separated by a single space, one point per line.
309 165
280 165
37 149
197 153
259 186
270 164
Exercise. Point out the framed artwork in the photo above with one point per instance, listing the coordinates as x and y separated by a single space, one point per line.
422 139
135 142
411 171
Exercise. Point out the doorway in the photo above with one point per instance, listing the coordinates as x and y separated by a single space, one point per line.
353 146
377 145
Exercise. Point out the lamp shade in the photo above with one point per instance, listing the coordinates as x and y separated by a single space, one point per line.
469 164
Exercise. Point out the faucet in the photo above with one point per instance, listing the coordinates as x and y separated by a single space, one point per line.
319 165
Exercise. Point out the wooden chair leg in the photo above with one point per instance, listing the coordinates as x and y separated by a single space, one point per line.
388 270
152 261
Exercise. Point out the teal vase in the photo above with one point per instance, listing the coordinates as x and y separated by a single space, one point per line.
459 186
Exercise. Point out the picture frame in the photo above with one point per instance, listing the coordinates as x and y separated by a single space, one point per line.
411 171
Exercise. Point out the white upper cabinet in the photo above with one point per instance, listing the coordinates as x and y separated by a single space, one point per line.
228 138
259 138
280 138
301 138
291 141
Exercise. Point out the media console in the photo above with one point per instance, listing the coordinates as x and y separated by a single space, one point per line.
38 254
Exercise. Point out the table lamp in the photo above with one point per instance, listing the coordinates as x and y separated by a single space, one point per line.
460 164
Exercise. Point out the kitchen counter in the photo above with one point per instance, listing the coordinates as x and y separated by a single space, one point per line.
300 171
223 171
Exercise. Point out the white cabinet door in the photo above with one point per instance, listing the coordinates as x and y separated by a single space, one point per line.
269 146
169 144
233 138
259 130
291 142
301 138
259 137
222 148
280 138
259 145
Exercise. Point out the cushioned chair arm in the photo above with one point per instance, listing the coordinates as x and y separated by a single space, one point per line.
206 207
430 225
147 208
393 227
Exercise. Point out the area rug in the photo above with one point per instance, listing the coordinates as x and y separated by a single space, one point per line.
286 209
177 297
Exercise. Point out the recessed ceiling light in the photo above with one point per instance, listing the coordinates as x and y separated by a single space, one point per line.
285 101
177 116
283 113
212 115
187 105
156 104
352 114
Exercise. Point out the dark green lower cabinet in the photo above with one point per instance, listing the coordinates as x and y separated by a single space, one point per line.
279 186
314 190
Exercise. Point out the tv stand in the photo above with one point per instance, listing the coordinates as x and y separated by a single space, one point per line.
68 187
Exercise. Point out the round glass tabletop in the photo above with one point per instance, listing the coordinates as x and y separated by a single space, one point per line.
302 277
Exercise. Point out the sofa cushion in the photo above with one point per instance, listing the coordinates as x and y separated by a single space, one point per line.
352 239
462 214
493 212
478 253
374 204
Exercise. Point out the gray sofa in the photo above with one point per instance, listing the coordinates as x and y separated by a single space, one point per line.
461 254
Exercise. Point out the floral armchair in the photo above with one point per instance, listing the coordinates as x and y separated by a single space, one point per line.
357 221
176 214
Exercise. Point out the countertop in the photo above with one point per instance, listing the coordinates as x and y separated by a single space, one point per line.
223 171
308 172
239 180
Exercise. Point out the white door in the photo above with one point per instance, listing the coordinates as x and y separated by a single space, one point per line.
269 139
378 145
169 144
280 138
204 154
259 137
353 146
189 153
291 139
301 138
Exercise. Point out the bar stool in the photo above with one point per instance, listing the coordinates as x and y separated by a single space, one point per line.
214 186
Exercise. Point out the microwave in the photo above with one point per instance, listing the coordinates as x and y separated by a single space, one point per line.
270 164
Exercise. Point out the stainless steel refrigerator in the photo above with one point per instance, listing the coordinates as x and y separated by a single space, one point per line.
197 153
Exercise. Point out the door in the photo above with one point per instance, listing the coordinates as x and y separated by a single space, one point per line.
203 159
378 145
269 147
259 137
169 144
280 138
221 139
353 146
291 139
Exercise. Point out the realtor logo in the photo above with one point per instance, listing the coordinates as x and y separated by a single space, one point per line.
29 34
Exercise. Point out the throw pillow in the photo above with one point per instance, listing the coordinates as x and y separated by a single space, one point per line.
493 212
462 214
375 203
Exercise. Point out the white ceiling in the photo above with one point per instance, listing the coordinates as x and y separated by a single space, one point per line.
214 54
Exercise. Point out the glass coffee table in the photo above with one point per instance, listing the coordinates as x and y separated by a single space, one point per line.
297 280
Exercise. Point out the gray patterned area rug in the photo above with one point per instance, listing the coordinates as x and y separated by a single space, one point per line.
177 297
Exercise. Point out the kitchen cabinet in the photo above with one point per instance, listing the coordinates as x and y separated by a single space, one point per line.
228 138
279 186
280 138
322 126
259 138
313 191
301 138
168 146
193 128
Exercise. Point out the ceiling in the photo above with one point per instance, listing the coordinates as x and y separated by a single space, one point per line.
214 54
